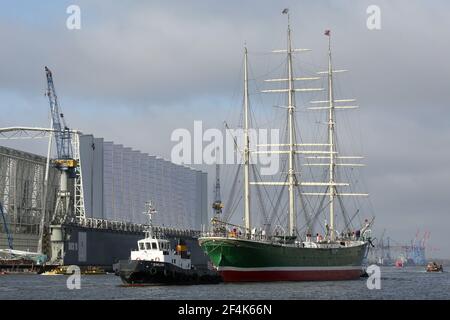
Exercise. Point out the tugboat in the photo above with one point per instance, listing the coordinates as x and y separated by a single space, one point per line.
154 262
434 267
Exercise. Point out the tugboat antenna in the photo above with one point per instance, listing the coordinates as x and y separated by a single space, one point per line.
150 210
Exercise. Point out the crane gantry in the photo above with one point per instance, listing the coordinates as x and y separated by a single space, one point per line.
65 161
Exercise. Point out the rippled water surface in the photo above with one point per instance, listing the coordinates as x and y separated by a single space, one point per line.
407 283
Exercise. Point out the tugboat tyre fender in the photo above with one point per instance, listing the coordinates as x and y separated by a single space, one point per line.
153 271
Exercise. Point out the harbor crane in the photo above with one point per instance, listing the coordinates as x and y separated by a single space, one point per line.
217 204
66 141
218 225
65 161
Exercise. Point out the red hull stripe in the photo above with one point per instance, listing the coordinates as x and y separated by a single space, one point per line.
315 268
310 275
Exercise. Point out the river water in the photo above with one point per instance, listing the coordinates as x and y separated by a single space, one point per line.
407 283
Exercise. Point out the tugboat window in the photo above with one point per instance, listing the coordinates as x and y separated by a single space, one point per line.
141 246
147 245
154 245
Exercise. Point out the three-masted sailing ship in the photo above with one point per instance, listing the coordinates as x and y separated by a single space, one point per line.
243 255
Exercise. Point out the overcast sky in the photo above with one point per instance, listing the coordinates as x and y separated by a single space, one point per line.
137 71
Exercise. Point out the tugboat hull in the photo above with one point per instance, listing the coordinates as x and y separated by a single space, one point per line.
139 272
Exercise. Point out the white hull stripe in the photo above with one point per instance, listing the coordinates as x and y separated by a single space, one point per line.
318 268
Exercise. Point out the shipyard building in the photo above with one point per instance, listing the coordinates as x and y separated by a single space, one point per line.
118 181
114 184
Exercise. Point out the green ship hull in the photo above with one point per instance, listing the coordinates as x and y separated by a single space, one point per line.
248 260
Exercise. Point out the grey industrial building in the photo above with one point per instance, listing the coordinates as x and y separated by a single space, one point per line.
118 181
114 185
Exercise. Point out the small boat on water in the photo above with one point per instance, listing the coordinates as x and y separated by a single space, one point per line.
63 270
434 267
93 271
399 263
57 271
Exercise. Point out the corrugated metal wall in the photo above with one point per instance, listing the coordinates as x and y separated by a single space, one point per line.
21 193
91 154
117 181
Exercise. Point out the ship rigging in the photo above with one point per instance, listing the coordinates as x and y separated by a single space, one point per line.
249 256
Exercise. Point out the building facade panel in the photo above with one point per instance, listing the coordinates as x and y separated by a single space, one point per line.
127 179
22 195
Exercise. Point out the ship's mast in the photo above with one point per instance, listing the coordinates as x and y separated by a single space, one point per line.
332 153
291 110
247 219
331 139
291 145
